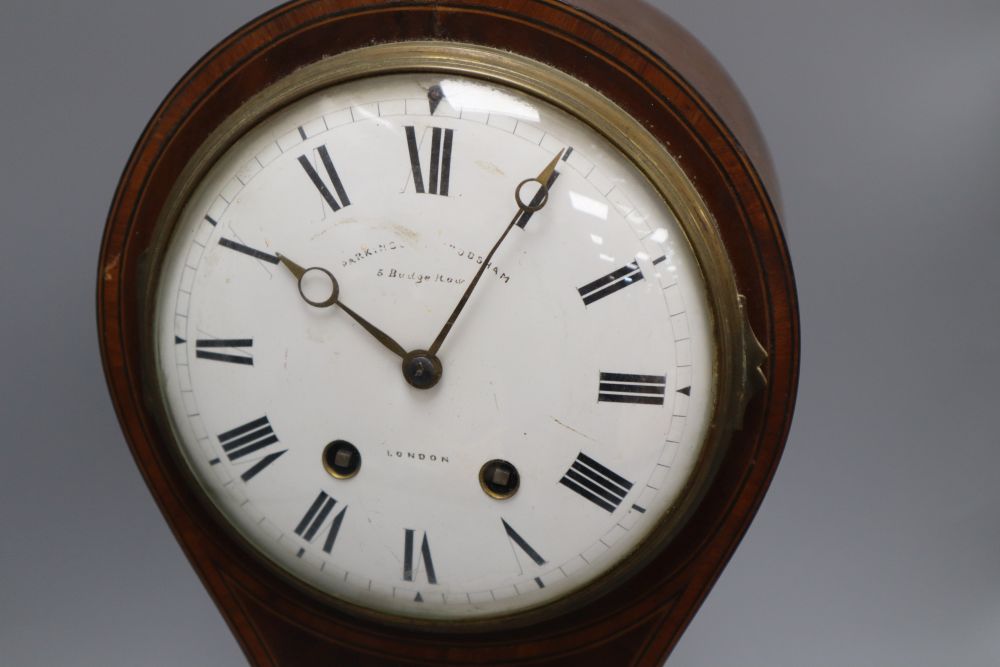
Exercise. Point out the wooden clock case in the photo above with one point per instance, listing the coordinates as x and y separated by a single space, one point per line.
656 72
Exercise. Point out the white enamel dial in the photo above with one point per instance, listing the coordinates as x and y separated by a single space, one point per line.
583 359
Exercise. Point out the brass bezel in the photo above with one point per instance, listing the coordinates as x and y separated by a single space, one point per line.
737 354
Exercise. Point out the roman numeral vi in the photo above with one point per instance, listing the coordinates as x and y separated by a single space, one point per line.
411 559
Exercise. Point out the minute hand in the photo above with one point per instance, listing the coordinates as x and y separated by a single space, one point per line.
543 180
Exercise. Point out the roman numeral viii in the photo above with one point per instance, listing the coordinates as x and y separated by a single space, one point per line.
439 174
248 439
331 172
628 388
316 517
229 350
611 283
599 485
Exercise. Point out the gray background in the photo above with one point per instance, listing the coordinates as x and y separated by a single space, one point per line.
878 544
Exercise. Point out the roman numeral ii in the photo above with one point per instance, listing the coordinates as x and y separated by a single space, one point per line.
611 283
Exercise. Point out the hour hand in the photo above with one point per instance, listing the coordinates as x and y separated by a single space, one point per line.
322 283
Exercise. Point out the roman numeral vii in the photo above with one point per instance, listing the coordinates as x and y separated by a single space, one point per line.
316 517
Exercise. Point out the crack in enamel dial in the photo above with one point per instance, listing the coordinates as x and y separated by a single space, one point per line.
576 389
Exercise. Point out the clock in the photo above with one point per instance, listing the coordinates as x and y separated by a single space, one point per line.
452 333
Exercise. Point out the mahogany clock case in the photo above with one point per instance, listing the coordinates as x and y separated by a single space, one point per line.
657 74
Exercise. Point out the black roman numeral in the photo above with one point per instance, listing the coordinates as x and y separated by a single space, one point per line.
628 388
440 164
611 283
331 171
314 519
205 348
522 544
596 483
247 250
411 559
248 439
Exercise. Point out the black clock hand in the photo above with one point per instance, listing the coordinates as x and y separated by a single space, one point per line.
535 204
334 299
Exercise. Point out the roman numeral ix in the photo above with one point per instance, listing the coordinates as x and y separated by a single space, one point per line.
601 486
611 283
440 163
628 388
331 171
249 439
316 517
235 352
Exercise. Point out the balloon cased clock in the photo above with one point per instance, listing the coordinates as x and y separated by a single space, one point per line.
452 333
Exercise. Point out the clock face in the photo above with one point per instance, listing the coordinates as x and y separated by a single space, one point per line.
574 390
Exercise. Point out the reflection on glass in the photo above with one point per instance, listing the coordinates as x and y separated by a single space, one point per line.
589 206
469 96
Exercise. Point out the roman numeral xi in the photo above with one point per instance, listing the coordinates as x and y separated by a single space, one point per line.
598 484
336 202
248 439
439 174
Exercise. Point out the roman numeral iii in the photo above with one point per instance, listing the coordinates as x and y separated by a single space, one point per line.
411 559
628 388
598 484
604 286
229 350
248 439
336 202
439 172
316 517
